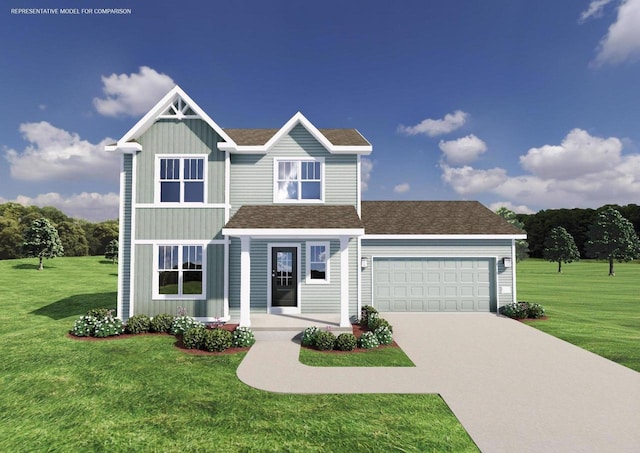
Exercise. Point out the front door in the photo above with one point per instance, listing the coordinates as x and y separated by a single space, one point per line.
284 276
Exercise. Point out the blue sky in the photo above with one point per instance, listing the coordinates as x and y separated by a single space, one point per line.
532 105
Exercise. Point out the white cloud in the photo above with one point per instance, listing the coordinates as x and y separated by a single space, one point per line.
594 10
54 154
132 94
430 127
402 188
463 150
578 154
467 180
366 167
518 209
622 41
90 206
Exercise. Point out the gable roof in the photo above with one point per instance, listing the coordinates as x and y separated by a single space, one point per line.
306 219
260 141
448 218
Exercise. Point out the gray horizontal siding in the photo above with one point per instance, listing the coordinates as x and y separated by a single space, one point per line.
179 223
470 248
125 246
213 306
179 137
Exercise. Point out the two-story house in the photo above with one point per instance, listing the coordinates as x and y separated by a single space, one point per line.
230 222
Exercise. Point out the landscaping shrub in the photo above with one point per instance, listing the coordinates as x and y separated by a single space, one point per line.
108 327
243 337
535 311
365 312
100 313
193 338
383 334
138 324
161 323
84 326
217 340
376 322
325 340
368 340
309 336
181 324
346 342
522 310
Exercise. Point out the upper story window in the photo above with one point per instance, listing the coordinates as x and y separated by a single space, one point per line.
181 180
298 180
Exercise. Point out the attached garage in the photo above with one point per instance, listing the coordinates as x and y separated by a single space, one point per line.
418 284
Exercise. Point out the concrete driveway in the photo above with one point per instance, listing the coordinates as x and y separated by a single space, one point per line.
513 388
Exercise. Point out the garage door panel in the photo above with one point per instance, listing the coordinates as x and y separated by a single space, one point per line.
427 284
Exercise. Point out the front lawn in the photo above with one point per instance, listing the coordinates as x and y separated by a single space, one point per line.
586 307
384 356
144 394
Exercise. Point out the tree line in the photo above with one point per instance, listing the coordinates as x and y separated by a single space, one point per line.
575 221
78 237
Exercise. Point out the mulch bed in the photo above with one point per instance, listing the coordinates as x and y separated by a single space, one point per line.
544 318
358 330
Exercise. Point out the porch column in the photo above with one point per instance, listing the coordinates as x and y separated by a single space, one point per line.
344 281
245 281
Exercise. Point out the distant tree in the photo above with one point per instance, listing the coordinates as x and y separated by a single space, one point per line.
10 238
522 246
73 239
100 234
111 252
560 246
41 240
612 237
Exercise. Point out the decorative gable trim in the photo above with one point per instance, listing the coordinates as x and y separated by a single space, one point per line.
176 104
296 119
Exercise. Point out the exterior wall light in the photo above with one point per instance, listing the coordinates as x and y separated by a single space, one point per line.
364 263
506 262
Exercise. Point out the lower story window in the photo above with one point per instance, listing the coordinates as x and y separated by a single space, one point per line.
317 262
180 271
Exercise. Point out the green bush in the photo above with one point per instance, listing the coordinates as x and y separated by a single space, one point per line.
325 340
535 311
161 323
181 324
383 334
346 342
522 310
84 326
365 313
193 338
243 337
368 340
100 313
376 322
138 324
108 327
309 336
217 340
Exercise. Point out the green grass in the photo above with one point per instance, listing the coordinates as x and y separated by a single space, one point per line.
143 394
368 358
586 307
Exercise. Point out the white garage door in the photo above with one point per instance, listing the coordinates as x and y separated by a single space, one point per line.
433 284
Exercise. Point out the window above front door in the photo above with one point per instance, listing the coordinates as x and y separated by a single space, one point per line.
298 180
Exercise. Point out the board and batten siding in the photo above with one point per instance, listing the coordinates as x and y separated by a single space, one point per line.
190 136
314 298
126 239
212 307
251 180
441 248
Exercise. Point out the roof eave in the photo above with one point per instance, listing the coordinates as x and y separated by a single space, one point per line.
444 236
293 232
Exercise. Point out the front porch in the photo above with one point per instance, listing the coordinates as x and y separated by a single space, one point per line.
295 322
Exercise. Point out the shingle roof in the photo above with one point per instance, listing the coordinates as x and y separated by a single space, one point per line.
295 217
256 137
432 217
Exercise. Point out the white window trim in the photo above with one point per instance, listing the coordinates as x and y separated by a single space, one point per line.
299 160
327 279
156 177
180 244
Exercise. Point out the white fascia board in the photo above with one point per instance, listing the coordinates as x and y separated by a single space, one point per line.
124 148
153 114
296 119
292 232
444 236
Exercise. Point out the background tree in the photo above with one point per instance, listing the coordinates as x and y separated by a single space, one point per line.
100 234
10 238
111 252
41 240
612 237
522 246
73 238
560 246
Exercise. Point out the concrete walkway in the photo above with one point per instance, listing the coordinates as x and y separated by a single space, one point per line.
512 387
